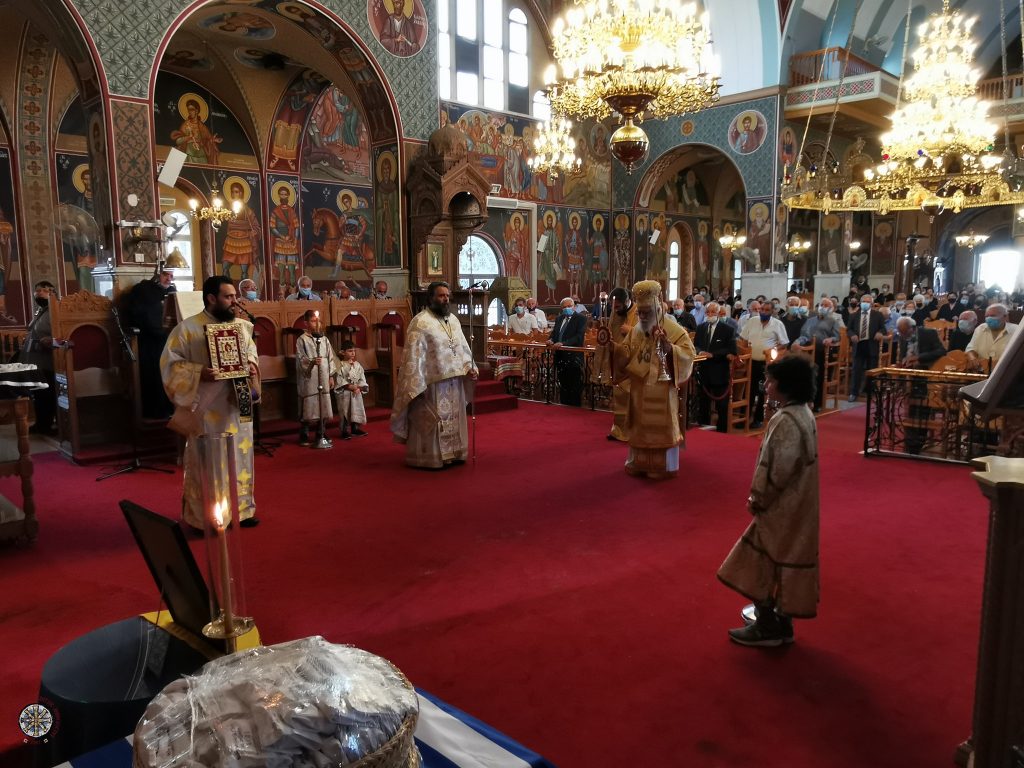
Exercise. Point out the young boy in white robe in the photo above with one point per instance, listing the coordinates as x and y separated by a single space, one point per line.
316 368
351 385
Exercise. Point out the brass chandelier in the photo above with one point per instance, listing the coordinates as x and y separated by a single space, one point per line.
939 153
633 58
216 213
554 149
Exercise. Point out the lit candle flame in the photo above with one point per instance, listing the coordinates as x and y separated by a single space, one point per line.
774 353
220 514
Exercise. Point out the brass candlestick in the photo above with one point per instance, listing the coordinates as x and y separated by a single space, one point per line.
219 479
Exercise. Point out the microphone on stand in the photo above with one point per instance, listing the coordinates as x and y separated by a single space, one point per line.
251 317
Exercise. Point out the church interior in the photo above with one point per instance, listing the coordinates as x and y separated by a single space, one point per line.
848 172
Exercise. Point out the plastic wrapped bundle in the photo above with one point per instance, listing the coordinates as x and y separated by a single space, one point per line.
303 704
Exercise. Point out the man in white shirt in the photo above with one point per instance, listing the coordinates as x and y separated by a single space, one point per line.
537 312
521 321
991 339
765 332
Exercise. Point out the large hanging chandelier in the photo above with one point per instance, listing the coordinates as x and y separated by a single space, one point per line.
216 213
554 148
632 58
939 152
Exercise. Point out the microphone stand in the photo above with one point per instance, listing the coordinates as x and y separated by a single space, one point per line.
322 441
133 360
267 447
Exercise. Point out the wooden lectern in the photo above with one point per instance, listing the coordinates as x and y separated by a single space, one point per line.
998 722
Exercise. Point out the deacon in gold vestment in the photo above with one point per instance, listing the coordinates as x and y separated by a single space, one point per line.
429 412
651 425
620 322
187 377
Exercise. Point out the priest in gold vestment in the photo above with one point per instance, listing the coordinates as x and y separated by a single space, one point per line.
656 358
429 412
187 376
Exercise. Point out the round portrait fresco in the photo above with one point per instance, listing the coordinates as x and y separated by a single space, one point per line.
400 26
747 131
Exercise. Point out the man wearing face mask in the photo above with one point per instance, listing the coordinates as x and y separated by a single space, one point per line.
950 308
682 316
960 336
713 376
823 330
520 321
429 411
990 340
247 289
537 312
699 315
304 291
38 351
921 311
569 330
793 321
189 383
918 347
865 329
765 332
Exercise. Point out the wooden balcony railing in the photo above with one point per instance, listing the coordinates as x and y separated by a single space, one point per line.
804 68
992 90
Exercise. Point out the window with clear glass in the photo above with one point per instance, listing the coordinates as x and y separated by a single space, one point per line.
673 270
478 263
737 275
180 239
486 61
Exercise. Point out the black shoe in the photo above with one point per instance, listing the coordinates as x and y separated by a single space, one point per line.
763 635
345 435
250 522
358 432
749 614
304 437
610 437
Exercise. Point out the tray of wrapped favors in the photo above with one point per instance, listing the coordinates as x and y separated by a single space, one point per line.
302 704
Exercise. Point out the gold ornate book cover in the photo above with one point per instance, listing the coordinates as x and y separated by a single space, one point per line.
226 351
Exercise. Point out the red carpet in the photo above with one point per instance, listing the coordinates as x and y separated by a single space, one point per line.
561 601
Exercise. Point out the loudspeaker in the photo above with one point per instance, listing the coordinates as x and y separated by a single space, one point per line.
172 167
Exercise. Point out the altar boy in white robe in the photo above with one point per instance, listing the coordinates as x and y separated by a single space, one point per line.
351 386
315 367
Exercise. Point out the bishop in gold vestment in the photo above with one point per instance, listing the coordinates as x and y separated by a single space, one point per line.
185 357
429 412
651 423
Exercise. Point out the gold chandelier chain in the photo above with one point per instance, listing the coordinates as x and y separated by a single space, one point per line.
817 86
842 80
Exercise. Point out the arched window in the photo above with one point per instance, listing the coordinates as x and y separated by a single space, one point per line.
478 263
673 268
485 59
541 106
181 239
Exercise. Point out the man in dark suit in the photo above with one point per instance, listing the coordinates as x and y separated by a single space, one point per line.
919 347
713 376
865 327
569 330
961 336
